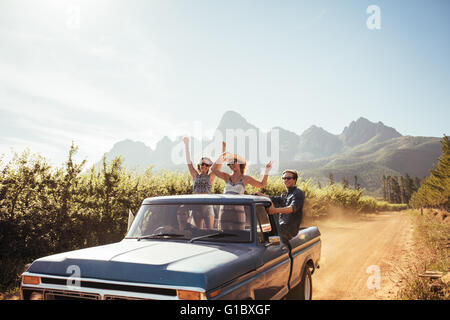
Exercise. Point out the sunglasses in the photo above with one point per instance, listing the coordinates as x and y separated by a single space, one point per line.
287 178
230 164
205 165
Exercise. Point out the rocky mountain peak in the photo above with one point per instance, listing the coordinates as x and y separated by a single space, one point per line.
363 130
316 142
314 130
131 145
233 120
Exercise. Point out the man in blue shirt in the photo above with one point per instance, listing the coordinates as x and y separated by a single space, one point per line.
290 207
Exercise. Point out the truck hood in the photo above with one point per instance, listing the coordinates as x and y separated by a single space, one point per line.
161 262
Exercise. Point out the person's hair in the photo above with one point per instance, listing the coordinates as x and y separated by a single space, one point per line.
181 209
293 172
241 161
206 160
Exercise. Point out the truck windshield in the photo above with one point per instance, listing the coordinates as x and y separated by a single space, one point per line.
198 222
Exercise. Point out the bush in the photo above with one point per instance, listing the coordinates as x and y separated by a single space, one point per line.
434 191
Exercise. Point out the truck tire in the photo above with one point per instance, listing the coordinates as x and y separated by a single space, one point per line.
303 291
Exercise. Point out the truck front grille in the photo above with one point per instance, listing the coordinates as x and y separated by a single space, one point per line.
108 297
113 286
70 295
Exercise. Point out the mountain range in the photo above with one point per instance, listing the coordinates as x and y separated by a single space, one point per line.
364 148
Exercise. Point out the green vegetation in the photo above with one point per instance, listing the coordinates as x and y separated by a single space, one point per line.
434 191
322 201
431 233
399 189
46 210
368 173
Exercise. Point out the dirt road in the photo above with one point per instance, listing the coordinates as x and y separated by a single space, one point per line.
350 247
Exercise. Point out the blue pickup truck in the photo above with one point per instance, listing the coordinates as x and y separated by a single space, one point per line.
170 252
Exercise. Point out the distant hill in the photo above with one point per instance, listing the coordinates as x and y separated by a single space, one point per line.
364 148
315 143
362 131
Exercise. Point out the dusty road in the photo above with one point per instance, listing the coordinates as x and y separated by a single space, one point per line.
350 247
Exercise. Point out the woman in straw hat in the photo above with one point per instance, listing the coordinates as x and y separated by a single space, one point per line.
233 217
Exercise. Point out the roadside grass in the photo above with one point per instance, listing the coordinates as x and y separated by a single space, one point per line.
431 237
11 294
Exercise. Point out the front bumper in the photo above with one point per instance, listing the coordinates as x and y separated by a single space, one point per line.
63 288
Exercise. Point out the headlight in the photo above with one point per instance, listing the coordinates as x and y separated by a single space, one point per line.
31 280
190 295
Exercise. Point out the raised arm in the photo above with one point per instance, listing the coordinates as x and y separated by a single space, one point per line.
263 182
191 168
215 169
212 175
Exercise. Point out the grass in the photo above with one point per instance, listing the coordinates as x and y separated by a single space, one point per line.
11 294
431 253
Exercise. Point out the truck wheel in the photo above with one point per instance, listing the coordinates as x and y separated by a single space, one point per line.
303 291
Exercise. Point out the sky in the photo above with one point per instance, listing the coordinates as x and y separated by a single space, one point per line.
100 71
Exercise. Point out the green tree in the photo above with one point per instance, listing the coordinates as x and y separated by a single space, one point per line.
330 179
434 190
345 182
396 190
356 185
385 193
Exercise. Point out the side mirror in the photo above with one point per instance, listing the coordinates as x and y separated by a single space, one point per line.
130 219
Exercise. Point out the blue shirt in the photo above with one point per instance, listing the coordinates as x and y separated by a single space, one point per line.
291 221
